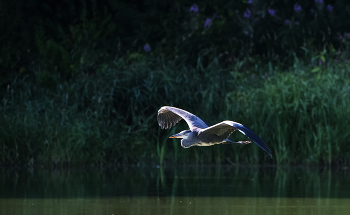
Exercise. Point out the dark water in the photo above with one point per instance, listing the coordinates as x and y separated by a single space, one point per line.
188 190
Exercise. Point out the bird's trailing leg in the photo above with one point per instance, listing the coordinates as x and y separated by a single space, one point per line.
243 142
239 142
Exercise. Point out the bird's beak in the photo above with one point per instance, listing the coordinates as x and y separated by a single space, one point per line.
177 136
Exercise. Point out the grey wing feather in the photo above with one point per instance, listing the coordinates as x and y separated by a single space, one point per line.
222 130
169 116
167 119
220 127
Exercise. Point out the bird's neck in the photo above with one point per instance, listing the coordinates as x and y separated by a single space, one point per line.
192 135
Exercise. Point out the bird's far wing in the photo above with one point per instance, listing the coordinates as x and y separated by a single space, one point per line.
169 116
222 129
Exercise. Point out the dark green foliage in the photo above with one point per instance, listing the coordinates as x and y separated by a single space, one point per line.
304 114
110 116
71 37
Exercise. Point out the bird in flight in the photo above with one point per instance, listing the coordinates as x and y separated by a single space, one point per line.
200 133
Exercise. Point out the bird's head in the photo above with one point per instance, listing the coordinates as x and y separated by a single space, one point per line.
183 134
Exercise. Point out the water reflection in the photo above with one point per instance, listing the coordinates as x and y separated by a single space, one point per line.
179 181
192 190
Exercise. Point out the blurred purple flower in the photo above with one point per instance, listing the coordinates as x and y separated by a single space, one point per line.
207 23
348 35
297 23
250 1
287 22
147 48
271 12
194 8
247 13
340 37
329 7
319 1
336 60
346 60
297 7
320 62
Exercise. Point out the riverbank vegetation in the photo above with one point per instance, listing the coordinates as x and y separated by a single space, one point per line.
81 83
302 113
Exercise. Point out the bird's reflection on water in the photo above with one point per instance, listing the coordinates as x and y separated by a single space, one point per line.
162 190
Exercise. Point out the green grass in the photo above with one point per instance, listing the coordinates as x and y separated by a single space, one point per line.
110 116
303 115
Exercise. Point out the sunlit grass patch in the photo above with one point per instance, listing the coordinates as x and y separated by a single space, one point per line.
303 115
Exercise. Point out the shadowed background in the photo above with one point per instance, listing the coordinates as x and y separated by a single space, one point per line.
81 81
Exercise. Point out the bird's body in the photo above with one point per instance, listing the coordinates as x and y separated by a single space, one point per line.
200 133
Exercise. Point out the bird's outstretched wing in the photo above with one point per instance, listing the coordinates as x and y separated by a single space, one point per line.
226 128
169 116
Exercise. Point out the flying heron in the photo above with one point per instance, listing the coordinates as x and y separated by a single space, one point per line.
200 133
